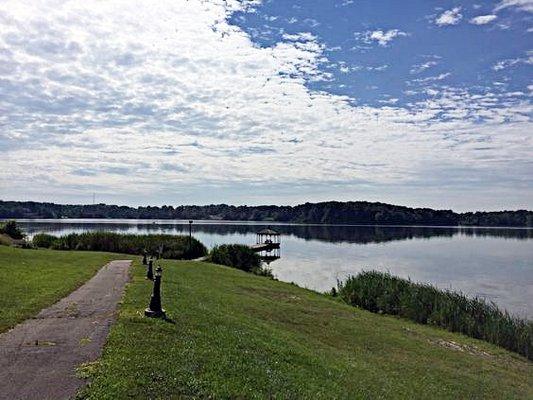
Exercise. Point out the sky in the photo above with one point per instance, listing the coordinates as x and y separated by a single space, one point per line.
420 103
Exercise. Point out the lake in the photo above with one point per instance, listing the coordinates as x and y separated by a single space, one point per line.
493 263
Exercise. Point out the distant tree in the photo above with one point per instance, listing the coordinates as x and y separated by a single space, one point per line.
332 212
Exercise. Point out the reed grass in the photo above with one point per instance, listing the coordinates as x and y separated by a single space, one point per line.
173 247
44 240
381 292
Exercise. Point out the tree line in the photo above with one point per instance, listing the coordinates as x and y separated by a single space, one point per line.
332 212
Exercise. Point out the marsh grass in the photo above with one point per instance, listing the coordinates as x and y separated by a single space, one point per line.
44 240
381 292
173 247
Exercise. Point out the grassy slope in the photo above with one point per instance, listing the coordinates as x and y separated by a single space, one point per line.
242 336
31 280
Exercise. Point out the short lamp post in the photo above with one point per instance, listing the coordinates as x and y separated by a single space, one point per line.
190 235
155 310
150 269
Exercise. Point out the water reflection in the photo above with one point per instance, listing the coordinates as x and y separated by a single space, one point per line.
496 264
328 233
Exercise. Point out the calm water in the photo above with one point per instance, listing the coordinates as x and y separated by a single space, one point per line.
496 264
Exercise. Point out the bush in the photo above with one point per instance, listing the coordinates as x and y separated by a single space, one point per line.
44 240
383 293
238 256
11 229
173 247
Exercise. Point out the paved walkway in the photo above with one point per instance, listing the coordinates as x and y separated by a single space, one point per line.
39 357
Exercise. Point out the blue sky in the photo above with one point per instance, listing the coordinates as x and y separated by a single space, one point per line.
462 51
421 103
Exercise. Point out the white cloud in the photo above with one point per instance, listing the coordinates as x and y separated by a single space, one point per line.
483 19
504 64
391 101
313 23
301 36
525 5
382 37
511 62
379 68
137 99
449 17
439 77
344 68
419 68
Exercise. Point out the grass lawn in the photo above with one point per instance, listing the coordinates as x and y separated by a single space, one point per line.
31 280
237 335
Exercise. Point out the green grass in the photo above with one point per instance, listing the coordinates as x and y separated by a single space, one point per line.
240 336
381 292
31 280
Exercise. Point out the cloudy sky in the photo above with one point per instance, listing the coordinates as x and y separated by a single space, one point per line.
419 102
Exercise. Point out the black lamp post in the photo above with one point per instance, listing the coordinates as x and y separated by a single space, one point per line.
144 258
150 269
190 235
154 310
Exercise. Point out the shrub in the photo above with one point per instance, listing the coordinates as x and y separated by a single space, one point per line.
174 247
237 256
44 240
11 229
383 293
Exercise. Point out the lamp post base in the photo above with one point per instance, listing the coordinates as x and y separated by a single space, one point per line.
155 314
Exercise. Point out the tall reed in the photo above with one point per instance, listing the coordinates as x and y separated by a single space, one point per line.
381 292
176 247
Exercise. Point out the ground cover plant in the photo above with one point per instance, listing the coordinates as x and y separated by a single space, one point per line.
237 335
173 247
383 293
31 280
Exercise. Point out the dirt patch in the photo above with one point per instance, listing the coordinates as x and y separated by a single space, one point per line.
464 348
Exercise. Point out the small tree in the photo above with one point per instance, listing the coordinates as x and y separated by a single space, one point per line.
11 229
236 256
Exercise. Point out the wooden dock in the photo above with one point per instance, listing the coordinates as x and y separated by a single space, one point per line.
264 247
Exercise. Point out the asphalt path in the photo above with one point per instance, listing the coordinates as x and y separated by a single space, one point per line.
40 356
